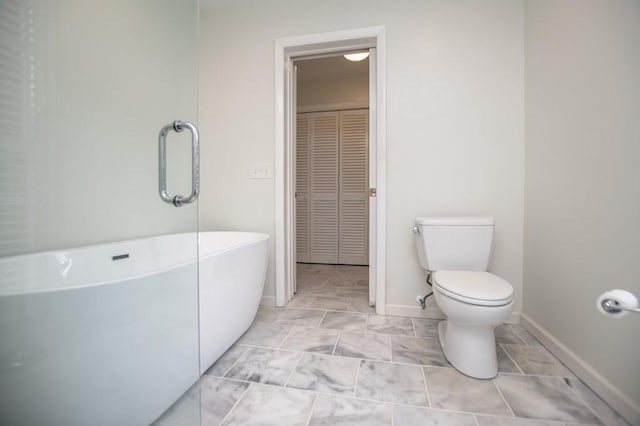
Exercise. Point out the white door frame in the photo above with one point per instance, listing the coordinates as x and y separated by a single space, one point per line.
314 44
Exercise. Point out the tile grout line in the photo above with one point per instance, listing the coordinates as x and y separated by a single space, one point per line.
564 380
545 421
383 402
511 358
236 361
349 304
313 406
366 324
285 338
475 419
495 385
376 359
517 334
355 387
321 319
234 405
476 416
335 345
284 385
426 387
522 338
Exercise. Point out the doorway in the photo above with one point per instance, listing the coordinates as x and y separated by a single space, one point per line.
331 186
288 50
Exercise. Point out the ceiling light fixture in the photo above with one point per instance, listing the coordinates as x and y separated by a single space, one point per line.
355 57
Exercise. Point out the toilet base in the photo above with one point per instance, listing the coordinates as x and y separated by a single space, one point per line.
470 349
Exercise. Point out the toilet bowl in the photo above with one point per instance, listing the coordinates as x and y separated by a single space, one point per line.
474 302
455 254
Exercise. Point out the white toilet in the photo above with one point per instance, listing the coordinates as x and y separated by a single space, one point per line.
455 253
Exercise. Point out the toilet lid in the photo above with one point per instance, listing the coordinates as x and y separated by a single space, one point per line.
477 287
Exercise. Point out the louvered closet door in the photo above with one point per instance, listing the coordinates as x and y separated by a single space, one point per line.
302 187
324 188
353 240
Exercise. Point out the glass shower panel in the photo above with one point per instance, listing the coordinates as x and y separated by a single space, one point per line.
98 276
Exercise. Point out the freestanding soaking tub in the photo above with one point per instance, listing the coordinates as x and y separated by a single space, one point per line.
232 272
108 334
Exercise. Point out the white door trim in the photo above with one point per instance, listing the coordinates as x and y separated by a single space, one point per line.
286 49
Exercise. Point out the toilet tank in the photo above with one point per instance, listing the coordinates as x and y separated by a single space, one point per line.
454 243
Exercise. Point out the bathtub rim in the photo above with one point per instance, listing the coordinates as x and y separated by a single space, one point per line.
259 236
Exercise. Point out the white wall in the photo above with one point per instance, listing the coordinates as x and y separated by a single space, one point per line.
455 131
582 227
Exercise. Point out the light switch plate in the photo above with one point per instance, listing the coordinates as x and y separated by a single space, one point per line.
261 171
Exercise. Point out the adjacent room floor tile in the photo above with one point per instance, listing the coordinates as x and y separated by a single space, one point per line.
301 302
390 325
307 280
322 373
317 290
352 292
366 346
270 406
450 389
311 340
335 411
265 334
224 363
344 321
262 365
362 283
300 317
426 327
536 360
402 384
339 282
544 398
416 350
331 303
414 416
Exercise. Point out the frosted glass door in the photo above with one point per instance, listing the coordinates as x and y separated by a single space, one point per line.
98 314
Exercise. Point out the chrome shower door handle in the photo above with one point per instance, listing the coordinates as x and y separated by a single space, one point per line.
178 126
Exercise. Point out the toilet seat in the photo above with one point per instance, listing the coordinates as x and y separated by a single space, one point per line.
474 287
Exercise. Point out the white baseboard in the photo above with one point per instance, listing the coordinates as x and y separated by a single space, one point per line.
268 301
431 312
599 384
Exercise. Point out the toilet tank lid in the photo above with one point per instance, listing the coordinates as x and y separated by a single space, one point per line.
455 221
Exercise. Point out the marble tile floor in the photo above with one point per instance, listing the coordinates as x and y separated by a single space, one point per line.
327 359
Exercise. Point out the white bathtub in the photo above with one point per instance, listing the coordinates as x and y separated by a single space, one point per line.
233 266
85 339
